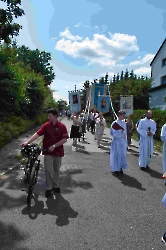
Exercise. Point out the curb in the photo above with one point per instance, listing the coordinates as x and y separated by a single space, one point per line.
38 141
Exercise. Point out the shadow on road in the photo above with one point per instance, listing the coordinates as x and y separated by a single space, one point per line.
58 207
67 184
130 182
154 173
10 236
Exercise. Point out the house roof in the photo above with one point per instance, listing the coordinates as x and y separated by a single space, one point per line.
157 52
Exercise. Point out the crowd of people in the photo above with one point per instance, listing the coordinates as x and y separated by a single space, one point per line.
55 135
84 121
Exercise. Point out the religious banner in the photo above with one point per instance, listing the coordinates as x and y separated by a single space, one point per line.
126 104
103 104
75 101
96 89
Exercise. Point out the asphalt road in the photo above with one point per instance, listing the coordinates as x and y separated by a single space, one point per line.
95 210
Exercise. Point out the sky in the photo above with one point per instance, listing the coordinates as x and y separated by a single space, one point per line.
88 38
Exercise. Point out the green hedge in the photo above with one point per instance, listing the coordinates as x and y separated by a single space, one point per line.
14 126
159 116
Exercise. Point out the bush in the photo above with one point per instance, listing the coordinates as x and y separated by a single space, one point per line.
40 119
13 126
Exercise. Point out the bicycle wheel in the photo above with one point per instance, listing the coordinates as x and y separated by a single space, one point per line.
31 184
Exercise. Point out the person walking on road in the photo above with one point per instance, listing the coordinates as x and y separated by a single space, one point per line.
92 117
118 161
55 135
83 126
130 127
163 139
89 121
100 126
68 114
75 129
146 129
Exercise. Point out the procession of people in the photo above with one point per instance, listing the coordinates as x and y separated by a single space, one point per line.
121 131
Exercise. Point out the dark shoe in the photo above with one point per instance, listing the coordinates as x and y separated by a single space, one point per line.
142 168
56 190
116 173
121 172
48 193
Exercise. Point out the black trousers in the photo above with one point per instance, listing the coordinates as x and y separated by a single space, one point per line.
92 126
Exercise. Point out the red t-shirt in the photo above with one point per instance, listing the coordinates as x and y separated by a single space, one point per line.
52 135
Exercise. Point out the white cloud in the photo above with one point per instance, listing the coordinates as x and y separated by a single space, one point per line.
106 53
57 97
96 27
142 71
81 24
54 38
78 25
80 84
99 50
142 66
66 87
66 33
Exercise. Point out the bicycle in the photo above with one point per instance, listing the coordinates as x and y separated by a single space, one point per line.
31 168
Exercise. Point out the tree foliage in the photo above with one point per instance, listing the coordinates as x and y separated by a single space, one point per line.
23 92
39 61
125 84
130 84
9 29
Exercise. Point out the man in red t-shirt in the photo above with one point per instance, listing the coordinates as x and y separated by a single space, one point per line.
55 135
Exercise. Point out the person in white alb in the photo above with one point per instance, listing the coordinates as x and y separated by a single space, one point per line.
118 160
163 139
146 129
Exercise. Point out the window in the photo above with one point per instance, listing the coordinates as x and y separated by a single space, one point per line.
163 80
163 62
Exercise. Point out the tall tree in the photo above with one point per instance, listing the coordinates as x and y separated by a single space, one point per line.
117 77
139 88
132 74
8 29
122 76
126 74
39 61
114 79
101 80
106 78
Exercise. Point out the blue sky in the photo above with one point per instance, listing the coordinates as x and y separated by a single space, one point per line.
88 38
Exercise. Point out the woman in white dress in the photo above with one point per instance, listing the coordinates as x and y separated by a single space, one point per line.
75 133
100 126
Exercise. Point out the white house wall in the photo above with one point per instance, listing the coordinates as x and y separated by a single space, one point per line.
157 98
157 70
